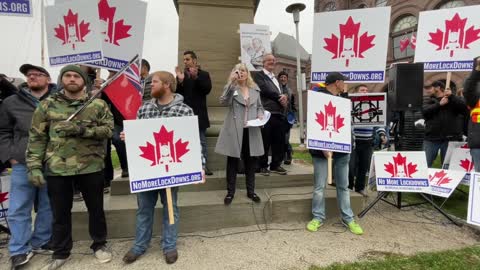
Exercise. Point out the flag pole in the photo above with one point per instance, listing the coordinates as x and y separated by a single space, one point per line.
102 87
42 31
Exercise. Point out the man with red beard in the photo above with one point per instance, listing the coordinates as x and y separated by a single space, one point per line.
164 103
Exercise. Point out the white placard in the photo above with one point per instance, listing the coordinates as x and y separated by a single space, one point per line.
254 44
163 152
329 123
443 182
353 42
401 171
4 197
73 32
448 39
448 156
16 7
462 161
369 110
473 215
122 26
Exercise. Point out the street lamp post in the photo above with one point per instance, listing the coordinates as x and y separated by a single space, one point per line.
295 9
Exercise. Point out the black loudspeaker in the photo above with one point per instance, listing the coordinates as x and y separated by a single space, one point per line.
405 87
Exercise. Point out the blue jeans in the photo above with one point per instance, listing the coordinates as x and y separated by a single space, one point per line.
340 165
203 142
22 196
475 152
431 151
146 207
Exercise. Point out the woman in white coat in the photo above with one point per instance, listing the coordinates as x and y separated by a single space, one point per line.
236 140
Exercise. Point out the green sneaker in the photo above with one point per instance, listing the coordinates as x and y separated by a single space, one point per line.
313 225
354 227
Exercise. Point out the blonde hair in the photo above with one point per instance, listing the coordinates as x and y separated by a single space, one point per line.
167 78
250 83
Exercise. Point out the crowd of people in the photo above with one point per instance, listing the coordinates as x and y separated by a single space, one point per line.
54 160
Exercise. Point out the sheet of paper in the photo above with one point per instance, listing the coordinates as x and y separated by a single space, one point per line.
259 122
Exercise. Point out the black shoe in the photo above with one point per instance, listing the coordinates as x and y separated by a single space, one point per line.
228 199
279 170
287 162
254 197
124 173
208 172
171 256
20 259
264 171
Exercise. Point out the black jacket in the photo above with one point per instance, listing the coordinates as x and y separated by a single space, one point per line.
195 94
6 88
269 93
15 121
442 123
471 92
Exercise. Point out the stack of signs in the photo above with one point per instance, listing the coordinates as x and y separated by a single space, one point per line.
458 158
16 7
473 215
163 153
353 42
4 198
369 110
100 33
443 182
329 123
448 39
254 43
400 171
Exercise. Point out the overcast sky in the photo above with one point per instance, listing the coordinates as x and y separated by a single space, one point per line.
21 35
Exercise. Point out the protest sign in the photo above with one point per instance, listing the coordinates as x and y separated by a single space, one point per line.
329 123
73 32
448 39
473 215
401 171
4 198
254 43
369 110
353 42
448 156
462 161
443 182
16 7
163 153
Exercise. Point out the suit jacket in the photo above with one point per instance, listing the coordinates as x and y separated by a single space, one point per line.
269 93
195 94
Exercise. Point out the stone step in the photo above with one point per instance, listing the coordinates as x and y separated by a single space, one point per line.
298 175
205 211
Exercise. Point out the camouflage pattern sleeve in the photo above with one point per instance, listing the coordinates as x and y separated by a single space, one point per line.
104 126
38 138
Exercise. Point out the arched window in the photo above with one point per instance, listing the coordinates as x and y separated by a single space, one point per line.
331 6
404 37
452 4
362 6
381 3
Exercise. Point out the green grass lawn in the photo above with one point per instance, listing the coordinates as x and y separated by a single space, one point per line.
115 161
466 258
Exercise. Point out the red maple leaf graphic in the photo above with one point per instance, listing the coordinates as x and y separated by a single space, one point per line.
72 32
467 164
455 36
113 30
165 151
3 197
329 120
404 42
439 178
413 42
350 44
465 146
400 168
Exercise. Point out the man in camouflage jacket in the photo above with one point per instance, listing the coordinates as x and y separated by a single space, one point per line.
68 152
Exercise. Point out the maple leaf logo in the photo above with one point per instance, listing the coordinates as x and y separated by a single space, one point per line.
404 42
350 44
455 36
439 178
329 120
112 30
72 32
164 151
467 164
465 146
3 197
399 167
413 42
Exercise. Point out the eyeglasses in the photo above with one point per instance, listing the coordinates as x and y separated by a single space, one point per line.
36 74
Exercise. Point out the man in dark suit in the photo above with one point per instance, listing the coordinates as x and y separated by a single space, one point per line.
194 85
274 101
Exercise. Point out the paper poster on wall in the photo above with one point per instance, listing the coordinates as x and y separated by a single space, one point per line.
254 44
